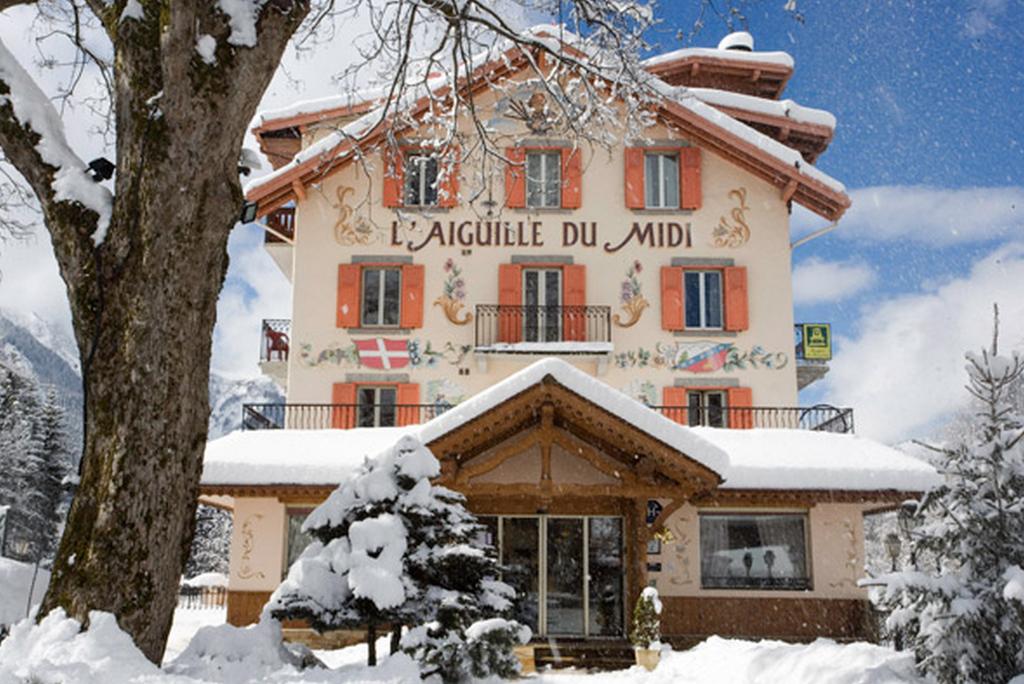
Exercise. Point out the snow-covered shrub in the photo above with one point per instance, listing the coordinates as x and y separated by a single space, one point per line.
392 549
646 632
964 617
485 648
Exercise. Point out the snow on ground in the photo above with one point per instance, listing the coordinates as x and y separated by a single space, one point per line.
187 622
57 653
15 580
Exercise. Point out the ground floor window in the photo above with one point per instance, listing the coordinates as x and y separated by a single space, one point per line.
296 540
568 571
754 551
706 407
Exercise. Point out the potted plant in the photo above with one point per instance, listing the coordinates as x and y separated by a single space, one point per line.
646 631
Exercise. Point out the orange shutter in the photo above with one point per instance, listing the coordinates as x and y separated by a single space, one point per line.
572 179
737 310
739 401
343 413
515 178
574 297
634 177
510 294
674 400
448 189
348 295
411 312
672 297
407 396
689 179
394 177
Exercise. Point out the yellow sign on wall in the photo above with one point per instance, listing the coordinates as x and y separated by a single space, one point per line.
816 341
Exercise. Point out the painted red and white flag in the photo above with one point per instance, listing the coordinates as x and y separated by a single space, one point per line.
384 354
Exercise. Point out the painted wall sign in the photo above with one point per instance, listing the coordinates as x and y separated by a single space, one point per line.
816 341
463 234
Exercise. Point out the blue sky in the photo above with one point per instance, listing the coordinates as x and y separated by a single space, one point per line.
928 96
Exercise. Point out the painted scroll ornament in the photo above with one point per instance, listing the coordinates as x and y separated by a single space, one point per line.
453 295
736 232
346 231
633 302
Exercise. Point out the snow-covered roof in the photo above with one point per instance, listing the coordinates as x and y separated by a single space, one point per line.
805 459
783 108
745 459
782 59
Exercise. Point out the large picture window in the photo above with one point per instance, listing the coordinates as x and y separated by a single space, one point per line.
661 180
382 294
703 294
420 181
753 551
544 179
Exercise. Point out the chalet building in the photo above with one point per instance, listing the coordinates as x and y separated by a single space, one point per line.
598 345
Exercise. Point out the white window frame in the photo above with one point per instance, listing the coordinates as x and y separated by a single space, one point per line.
704 408
703 305
660 188
377 403
546 157
381 297
422 161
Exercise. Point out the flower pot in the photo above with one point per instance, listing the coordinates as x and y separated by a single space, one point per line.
527 659
647 658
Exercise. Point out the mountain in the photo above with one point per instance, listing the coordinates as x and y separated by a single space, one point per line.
50 355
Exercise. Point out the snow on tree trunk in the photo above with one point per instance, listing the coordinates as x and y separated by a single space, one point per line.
962 614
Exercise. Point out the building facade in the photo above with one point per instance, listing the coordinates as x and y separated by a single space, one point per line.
592 340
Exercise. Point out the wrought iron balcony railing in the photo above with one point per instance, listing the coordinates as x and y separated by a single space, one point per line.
344 416
281 223
821 418
499 326
275 339
337 416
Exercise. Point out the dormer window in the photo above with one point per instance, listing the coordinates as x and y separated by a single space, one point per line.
420 180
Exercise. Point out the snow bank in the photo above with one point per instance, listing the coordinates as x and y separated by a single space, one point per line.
804 459
206 579
15 580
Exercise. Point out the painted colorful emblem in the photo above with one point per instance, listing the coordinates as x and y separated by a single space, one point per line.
382 353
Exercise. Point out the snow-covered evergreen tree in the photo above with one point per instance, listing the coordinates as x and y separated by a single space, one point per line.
391 548
56 469
964 617
211 543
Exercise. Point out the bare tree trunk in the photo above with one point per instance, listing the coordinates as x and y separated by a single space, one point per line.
396 638
143 301
371 644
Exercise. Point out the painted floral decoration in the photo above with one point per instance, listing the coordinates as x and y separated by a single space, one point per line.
632 298
453 294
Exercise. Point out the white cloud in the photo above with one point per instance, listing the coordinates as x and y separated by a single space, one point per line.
983 16
904 372
30 281
817 280
928 215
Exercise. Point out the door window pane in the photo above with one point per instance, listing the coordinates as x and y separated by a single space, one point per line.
542 299
565 576
606 574
753 552
520 558
376 406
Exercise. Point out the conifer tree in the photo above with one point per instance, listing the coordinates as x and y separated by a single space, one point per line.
391 548
964 617
53 474
646 632
21 456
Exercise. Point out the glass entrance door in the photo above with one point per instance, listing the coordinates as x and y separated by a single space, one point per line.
542 297
568 572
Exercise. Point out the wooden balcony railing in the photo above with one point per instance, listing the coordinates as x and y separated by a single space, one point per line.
820 418
540 328
281 222
274 340
340 416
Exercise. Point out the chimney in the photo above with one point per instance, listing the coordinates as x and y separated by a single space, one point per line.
739 40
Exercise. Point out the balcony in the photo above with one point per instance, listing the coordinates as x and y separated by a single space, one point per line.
344 416
573 330
274 347
336 416
280 226
821 418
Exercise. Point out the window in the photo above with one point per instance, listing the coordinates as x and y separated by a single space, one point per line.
753 551
376 406
703 299
661 180
542 295
382 293
706 407
420 180
544 179
297 540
